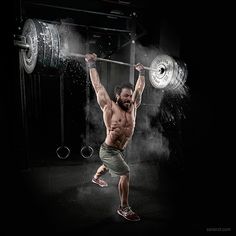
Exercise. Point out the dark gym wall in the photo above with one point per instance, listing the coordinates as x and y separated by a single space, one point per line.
43 123
43 102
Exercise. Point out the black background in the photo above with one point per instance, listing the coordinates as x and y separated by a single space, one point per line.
207 133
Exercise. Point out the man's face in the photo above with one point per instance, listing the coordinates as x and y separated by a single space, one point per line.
124 100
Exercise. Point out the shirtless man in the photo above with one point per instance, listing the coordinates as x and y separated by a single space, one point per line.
119 118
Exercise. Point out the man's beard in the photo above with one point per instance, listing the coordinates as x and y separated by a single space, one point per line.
122 106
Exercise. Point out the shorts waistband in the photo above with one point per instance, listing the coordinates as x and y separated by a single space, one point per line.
111 147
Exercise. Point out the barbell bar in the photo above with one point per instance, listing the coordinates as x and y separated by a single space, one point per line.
42 51
111 61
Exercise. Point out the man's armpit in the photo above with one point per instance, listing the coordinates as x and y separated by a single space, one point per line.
102 97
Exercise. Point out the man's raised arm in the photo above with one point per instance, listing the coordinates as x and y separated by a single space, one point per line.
102 95
140 85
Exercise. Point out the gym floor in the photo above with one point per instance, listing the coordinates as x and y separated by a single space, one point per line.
54 198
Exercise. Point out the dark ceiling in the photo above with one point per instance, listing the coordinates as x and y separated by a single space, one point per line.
107 14
148 13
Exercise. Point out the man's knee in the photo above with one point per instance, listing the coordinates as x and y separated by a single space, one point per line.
104 167
125 176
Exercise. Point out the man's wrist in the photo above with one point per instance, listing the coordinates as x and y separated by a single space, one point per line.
142 72
91 64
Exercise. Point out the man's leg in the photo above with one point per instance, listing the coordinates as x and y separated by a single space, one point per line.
124 209
97 180
123 187
100 171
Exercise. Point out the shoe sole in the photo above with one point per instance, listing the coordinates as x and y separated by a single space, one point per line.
127 218
99 184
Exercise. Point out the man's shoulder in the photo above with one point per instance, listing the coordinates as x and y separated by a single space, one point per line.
109 106
114 104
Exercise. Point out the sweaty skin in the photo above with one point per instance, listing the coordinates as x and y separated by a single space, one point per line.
119 123
119 120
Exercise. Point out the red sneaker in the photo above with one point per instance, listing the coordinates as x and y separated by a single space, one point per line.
100 182
128 214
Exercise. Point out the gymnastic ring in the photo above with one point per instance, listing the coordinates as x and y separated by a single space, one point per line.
86 151
63 152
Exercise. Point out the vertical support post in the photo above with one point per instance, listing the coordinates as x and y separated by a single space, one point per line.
63 151
87 95
132 47
24 112
62 107
132 62
87 151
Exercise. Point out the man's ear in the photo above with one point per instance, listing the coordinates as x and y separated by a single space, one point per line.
117 97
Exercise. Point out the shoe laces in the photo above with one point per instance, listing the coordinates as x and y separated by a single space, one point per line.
101 180
128 210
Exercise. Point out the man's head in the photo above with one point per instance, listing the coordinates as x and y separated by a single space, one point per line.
123 95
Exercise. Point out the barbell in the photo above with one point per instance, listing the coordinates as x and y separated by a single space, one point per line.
41 51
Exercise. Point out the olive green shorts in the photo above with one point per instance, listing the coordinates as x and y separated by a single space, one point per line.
113 159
